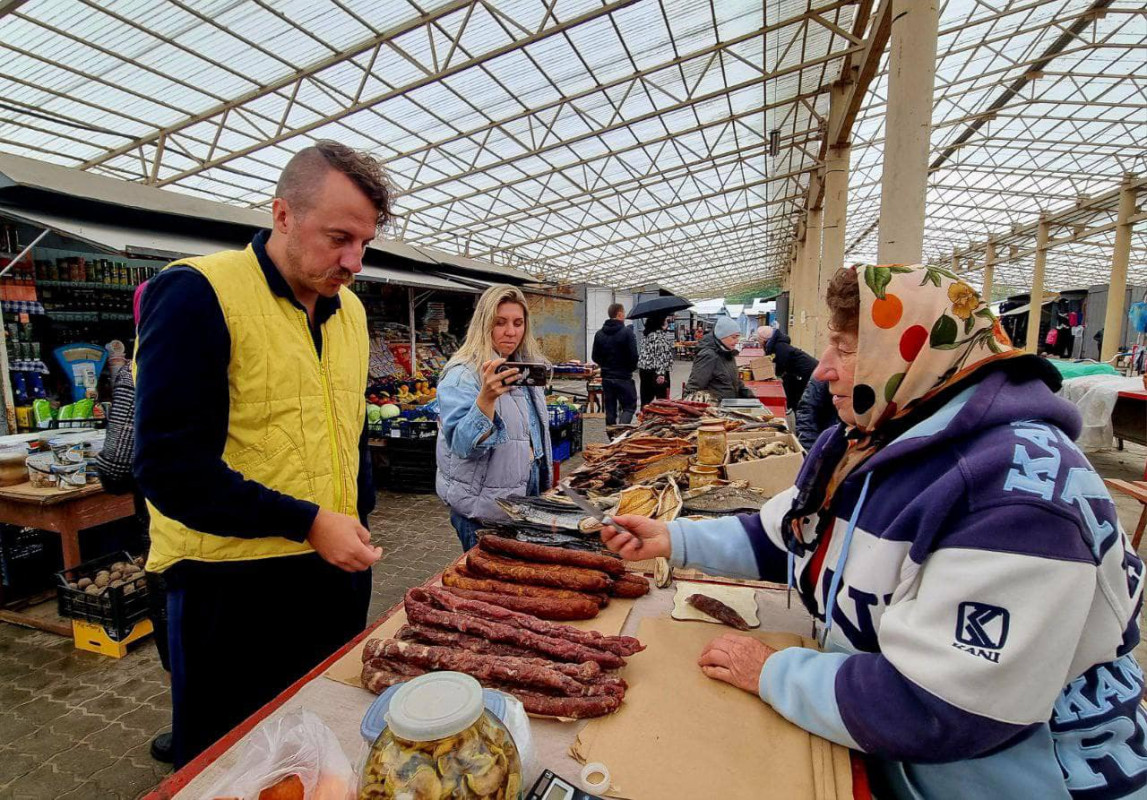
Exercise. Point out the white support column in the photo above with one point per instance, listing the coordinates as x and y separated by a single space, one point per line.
989 271
907 130
812 301
1116 316
834 224
1035 308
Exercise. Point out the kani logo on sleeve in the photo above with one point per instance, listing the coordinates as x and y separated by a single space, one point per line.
982 630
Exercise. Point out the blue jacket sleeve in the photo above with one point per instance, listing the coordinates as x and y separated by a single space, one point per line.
463 423
181 415
731 547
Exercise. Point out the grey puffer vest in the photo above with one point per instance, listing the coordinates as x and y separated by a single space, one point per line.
470 486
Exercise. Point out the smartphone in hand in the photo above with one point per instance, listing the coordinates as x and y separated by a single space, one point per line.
529 373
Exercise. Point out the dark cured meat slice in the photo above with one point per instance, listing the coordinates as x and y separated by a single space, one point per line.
541 607
551 555
425 634
630 586
503 669
555 575
553 647
571 707
458 577
379 676
619 645
717 610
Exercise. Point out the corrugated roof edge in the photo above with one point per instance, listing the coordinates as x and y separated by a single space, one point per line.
19 171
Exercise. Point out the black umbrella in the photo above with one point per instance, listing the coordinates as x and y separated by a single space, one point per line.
659 306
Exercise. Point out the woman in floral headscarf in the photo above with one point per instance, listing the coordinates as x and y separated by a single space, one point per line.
977 598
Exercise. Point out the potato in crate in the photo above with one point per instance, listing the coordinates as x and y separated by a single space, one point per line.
107 600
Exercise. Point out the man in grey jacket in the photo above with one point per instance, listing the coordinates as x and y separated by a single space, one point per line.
715 367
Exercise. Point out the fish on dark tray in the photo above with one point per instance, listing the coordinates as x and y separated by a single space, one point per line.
723 500
542 511
543 534
717 610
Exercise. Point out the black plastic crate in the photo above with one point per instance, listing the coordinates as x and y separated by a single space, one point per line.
27 560
117 608
395 429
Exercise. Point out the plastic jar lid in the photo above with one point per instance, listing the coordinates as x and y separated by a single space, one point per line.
434 706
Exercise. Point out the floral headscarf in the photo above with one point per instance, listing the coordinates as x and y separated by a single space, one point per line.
922 330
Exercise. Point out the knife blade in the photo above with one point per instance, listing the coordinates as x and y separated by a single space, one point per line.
582 502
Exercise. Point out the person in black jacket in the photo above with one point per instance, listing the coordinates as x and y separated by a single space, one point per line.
794 366
815 413
615 351
715 367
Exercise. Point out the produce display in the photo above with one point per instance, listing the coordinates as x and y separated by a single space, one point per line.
553 669
480 763
717 610
128 574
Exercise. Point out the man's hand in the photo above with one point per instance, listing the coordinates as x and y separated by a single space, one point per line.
736 660
342 541
660 380
648 538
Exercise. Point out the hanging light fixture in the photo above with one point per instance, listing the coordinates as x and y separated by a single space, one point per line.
774 142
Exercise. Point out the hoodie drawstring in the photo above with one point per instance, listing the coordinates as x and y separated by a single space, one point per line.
834 586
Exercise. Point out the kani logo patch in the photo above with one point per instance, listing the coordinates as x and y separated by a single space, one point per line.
982 630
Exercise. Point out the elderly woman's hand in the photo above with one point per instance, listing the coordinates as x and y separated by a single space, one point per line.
737 660
646 538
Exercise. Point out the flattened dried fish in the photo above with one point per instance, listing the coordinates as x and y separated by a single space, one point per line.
724 500
542 511
542 534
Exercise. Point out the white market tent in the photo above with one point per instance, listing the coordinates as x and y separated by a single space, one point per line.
689 142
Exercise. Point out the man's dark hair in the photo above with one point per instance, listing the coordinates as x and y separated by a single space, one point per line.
843 300
308 166
614 309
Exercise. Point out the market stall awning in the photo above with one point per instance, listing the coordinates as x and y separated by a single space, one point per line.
129 241
417 280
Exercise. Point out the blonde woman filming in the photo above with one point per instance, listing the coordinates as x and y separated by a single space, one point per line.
494 439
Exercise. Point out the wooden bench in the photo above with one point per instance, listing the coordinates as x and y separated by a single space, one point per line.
1137 490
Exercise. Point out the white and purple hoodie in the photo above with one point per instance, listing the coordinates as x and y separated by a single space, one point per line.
985 607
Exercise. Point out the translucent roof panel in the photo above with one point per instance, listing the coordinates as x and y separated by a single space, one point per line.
1038 107
614 141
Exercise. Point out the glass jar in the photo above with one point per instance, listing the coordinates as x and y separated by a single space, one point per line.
702 475
440 741
712 444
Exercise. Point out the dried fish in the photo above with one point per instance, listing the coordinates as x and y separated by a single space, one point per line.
543 534
542 511
724 500
754 449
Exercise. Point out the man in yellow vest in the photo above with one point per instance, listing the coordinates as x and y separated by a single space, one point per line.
251 370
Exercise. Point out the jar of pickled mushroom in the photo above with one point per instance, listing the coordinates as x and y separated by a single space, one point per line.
441 742
712 444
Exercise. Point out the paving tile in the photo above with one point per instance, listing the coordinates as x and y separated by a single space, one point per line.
147 719
14 727
110 705
42 744
40 710
45 782
124 778
82 759
14 765
78 724
116 739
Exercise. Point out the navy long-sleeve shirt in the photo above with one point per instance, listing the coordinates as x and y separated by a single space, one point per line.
183 407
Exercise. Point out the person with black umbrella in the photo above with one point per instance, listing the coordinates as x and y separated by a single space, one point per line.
656 360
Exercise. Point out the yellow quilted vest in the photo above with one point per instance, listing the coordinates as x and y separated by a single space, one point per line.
295 420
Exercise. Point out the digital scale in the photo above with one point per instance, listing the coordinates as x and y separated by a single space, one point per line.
551 787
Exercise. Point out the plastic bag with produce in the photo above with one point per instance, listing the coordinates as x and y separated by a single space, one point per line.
292 757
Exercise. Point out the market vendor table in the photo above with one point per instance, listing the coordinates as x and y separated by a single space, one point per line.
64 512
342 707
1129 418
771 394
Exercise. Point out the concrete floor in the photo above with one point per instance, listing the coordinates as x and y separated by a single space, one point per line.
78 725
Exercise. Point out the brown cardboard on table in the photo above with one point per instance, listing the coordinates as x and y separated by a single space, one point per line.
763 369
773 474
681 734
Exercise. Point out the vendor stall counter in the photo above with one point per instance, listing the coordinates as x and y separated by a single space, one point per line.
341 706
